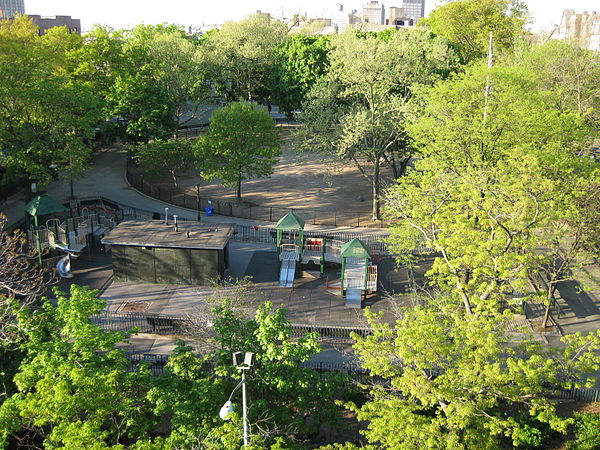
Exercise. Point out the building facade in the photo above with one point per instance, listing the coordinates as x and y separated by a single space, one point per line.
374 13
584 29
10 8
44 23
414 9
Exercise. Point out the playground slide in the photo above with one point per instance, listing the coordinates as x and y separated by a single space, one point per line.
353 298
288 271
63 266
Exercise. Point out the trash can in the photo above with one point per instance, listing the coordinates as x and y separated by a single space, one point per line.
209 210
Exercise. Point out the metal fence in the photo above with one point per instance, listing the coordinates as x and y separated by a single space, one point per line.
176 325
315 216
157 362
244 233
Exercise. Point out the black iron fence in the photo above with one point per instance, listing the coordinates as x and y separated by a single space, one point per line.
165 324
157 362
244 210
243 233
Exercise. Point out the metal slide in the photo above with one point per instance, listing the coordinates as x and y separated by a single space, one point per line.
353 298
288 271
354 282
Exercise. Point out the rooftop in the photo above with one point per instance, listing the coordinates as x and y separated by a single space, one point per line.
156 233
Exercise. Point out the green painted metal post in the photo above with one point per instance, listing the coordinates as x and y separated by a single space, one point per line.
39 242
343 272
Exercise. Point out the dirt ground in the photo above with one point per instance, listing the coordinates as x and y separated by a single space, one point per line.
300 181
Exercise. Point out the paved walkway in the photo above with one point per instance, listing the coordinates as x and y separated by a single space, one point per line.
106 178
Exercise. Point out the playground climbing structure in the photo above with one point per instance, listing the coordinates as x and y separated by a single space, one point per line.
358 271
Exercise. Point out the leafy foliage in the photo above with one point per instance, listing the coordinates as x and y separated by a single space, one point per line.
172 156
467 25
74 387
240 57
464 386
299 62
358 110
44 119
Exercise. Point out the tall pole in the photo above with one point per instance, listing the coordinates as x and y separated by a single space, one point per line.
37 238
198 200
244 408
488 86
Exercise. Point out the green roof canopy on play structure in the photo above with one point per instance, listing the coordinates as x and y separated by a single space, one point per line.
355 249
42 205
291 222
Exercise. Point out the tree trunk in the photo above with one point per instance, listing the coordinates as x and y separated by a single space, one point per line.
238 190
375 189
550 299
174 179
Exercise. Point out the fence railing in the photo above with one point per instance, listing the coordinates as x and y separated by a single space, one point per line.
176 325
315 216
157 362
244 233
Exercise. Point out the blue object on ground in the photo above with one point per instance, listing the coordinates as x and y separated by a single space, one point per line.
209 210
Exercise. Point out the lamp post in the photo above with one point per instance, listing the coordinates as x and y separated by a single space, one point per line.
242 363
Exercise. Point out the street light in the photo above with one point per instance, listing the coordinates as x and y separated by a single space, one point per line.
242 363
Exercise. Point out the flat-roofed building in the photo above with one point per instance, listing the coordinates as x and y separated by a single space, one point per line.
156 252
44 23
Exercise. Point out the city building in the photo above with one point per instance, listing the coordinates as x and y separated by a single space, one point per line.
10 8
46 22
341 19
398 18
374 13
414 9
584 29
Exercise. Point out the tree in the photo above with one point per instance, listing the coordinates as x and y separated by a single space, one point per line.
173 61
490 186
44 119
286 400
240 57
74 387
467 25
467 385
359 109
483 193
242 142
571 72
172 156
299 62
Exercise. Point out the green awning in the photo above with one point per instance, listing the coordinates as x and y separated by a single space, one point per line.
355 249
290 222
43 205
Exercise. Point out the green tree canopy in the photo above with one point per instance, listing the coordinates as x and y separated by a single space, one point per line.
172 156
467 25
44 119
242 142
299 62
240 57
74 388
358 110
494 182
467 385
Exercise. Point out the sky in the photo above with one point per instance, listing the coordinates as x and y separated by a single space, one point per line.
126 13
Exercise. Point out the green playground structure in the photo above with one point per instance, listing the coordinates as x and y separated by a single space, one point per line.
358 272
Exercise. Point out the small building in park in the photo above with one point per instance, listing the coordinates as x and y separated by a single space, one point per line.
157 252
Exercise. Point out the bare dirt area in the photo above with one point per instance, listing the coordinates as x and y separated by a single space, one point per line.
315 185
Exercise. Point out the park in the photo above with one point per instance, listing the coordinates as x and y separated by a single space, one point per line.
396 242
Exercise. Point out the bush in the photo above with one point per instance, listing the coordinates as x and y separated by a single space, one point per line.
587 432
